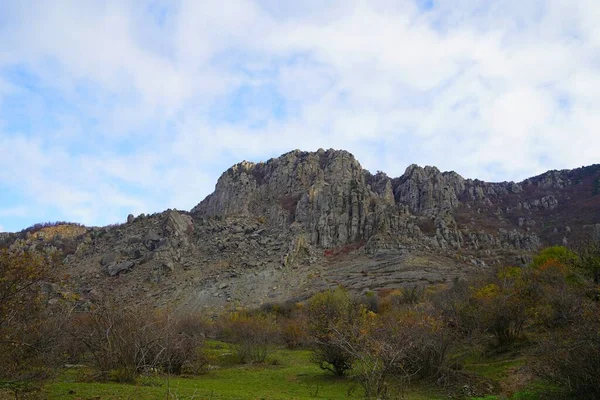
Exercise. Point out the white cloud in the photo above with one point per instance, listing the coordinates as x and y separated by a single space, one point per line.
123 111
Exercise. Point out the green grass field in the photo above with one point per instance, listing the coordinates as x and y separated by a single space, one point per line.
287 374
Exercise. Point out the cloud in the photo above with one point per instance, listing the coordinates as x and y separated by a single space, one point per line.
116 107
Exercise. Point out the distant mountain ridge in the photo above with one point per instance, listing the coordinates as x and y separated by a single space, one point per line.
298 223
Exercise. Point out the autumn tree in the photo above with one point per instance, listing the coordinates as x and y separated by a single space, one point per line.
253 336
27 332
330 313
589 258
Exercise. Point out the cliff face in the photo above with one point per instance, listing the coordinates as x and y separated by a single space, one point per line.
325 194
296 224
331 199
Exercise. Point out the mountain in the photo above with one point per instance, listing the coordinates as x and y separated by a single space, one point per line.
286 228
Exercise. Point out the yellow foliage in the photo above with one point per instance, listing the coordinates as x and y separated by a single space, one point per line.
67 231
510 272
488 291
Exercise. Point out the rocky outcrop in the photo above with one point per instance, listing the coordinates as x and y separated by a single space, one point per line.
328 197
427 190
296 224
324 194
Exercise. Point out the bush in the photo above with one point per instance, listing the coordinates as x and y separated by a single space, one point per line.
121 343
294 331
253 336
27 325
331 313
390 350
458 310
571 356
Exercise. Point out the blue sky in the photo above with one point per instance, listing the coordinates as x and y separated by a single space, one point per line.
116 107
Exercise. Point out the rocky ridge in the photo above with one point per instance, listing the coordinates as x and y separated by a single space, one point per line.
296 224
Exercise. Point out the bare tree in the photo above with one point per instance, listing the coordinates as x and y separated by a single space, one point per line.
253 336
124 342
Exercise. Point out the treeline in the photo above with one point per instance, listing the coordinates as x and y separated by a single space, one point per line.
383 340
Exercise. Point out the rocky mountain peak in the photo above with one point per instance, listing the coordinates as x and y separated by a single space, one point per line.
308 220
427 190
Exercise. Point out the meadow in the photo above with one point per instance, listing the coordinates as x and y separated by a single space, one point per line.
290 374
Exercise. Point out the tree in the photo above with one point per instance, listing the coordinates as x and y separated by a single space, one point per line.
331 312
123 342
378 353
571 356
27 334
253 336
391 349
505 305
589 258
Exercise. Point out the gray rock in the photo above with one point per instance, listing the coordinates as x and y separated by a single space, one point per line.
117 268
108 258
178 224
134 239
152 236
303 222
549 202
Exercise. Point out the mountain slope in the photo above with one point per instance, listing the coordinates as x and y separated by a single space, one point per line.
296 224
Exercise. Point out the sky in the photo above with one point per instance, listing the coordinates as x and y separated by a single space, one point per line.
115 107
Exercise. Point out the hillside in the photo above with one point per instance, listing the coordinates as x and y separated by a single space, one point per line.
304 221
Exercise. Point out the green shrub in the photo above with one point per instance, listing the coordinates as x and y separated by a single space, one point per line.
332 313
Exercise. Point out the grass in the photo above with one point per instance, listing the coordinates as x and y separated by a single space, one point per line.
287 374
509 371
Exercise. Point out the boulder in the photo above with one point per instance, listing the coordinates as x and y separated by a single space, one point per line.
108 258
179 224
117 268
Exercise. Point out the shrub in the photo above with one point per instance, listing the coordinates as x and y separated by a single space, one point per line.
294 331
253 336
121 343
331 313
390 350
571 356
458 310
27 326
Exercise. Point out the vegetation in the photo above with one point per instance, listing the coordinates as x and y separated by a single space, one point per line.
253 336
537 325
332 314
28 334
122 343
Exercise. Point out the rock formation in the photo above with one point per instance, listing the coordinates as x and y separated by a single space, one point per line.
293 225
